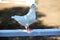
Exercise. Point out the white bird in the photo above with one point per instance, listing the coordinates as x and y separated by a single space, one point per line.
27 19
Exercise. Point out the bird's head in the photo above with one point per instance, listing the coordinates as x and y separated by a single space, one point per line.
33 5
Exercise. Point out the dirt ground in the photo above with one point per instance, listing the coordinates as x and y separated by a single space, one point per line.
50 8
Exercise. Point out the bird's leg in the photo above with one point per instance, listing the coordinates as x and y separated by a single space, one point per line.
28 29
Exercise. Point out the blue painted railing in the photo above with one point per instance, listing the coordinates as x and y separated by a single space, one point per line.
34 32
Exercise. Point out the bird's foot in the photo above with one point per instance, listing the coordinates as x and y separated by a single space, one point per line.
28 30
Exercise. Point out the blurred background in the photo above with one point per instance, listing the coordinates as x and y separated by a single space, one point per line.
47 12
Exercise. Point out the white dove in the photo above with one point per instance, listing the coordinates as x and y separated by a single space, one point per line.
27 19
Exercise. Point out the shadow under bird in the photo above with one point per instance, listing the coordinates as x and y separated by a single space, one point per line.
27 19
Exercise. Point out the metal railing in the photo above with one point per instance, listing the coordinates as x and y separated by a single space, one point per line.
34 32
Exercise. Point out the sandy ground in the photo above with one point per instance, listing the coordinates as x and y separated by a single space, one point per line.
9 5
51 8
